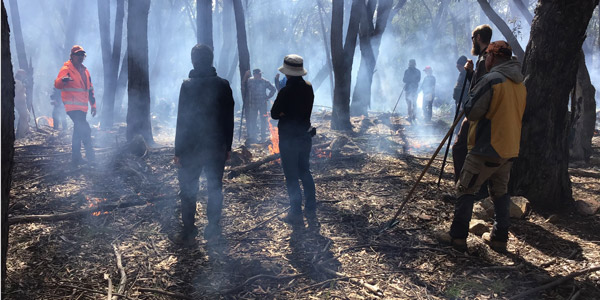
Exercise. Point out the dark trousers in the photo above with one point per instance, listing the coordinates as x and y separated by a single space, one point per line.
476 171
213 163
81 134
427 106
59 117
295 153
254 111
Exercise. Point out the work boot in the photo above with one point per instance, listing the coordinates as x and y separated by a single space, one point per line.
445 238
293 219
186 237
497 246
212 230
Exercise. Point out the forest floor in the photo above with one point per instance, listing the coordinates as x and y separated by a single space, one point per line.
128 205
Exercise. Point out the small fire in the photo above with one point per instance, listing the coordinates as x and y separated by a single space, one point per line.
274 147
322 153
95 202
48 120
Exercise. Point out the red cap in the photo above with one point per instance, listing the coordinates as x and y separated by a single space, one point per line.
76 49
428 68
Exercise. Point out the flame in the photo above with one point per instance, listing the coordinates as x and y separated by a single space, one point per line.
94 202
48 120
274 147
323 153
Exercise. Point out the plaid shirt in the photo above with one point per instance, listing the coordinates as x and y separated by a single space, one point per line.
257 90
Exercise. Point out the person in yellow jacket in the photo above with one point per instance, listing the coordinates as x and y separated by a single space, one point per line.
495 110
77 90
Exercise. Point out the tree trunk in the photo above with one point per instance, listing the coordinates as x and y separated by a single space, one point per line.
583 114
242 43
321 75
110 58
21 53
326 46
138 91
8 133
204 22
524 11
227 52
342 56
504 29
370 40
557 33
121 86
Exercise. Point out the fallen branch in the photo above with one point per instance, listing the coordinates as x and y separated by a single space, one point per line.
234 172
93 291
555 282
372 288
123 281
584 173
264 222
162 292
257 277
79 213
346 278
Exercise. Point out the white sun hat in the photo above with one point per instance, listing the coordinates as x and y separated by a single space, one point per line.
293 65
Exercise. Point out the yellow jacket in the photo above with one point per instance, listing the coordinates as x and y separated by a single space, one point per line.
495 109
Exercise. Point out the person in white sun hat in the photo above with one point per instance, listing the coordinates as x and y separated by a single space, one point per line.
293 107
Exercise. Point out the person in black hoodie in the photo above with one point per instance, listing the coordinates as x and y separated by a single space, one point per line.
203 140
293 107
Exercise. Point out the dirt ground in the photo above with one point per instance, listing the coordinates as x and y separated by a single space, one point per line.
361 181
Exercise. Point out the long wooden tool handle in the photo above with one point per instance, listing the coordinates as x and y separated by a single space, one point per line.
412 190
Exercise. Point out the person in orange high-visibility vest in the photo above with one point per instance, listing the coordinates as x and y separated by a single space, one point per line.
75 84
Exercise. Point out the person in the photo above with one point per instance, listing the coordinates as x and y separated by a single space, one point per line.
480 37
494 108
58 111
293 107
257 103
412 77
77 90
428 88
462 75
279 84
21 104
203 137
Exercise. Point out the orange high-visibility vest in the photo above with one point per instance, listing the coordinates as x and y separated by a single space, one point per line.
75 94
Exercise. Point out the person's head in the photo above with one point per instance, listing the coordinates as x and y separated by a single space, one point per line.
428 70
460 63
412 63
77 55
256 73
497 52
293 66
481 37
202 56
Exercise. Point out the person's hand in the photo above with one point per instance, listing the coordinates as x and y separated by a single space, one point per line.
66 79
176 161
469 66
228 155
93 111
247 73
277 76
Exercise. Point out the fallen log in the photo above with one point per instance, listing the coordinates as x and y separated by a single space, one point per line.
80 213
584 173
555 282
234 172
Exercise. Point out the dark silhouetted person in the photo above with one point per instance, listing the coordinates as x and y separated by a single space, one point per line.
77 90
412 77
293 107
494 110
428 88
202 142
257 88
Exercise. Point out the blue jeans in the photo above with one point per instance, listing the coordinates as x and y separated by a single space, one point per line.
295 154
81 134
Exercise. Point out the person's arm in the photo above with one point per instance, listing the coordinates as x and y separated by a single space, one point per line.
227 115
479 100
62 79
271 89
92 96
277 109
405 79
181 130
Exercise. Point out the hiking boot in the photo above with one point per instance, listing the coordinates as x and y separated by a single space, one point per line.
212 230
184 238
76 162
497 246
293 219
445 238
449 198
